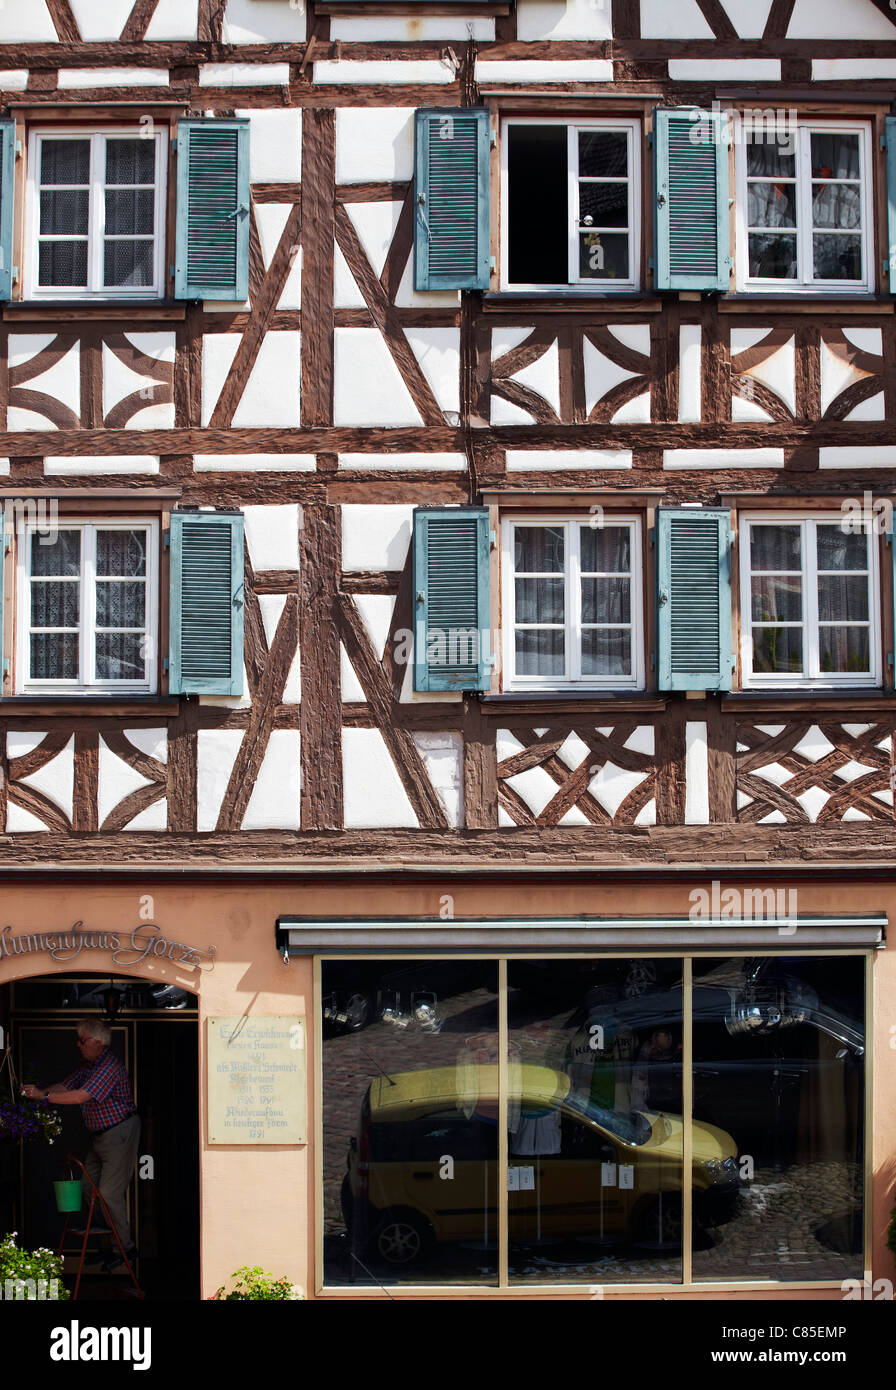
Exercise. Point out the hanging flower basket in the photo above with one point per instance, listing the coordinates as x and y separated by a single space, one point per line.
26 1119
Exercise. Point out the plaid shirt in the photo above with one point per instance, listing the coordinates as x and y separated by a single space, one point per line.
106 1081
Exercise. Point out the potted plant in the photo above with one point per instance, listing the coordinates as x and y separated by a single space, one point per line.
26 1119
255 1283
30 1275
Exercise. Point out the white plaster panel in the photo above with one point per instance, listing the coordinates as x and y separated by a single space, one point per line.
101 19
641 740
532 70
384 28
103 463
505 339
611 785
504 820
748 16
438 352
275 800
375 224
535 786
376 614
368 388
673 19
218 352
120 380
634 335
18 820
270 219
215 756
442 755
852 814
19 742
346 294
29 23
743 409
154 817
813 745
271 607
690 404
601 375
506 744
292 690
813 800
113 77
375 538
271 397
856 731
374 144
634 412
825 19
877 456
152 742
62 381
373 792
349 73
853 70
851 770
352 690
543 376
173 19
836 375
866 339
272 535
562 19
548 460
573 751
275 146
117 779
254 463
647 814
696 802
723 458
263 21
719 70
14 80
441 463
774 818
774 773
56 779
244 75
506 413
778 373
571 817
871 409
743 338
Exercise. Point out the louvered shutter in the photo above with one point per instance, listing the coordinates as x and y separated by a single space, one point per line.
451 245
693 599
691 186
451 587
212 256
207 601
7 202
890 264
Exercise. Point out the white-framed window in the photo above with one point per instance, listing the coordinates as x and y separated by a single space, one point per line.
805 212
570 204
87 607
810 603
96 214
572 603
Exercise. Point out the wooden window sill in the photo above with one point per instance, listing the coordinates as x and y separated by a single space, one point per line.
570 702
92 706
806 303
163 310
569 302
850 702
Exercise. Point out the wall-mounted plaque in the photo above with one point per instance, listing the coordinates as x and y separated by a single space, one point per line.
256 1080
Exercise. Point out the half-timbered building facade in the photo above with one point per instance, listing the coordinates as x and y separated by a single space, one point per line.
448 570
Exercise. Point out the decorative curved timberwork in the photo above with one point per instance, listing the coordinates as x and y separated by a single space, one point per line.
814 771
580 775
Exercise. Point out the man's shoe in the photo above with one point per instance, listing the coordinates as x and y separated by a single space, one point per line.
115 1260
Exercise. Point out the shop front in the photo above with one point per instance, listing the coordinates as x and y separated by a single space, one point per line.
556 1089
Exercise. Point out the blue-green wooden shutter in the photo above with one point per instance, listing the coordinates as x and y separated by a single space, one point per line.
5 542
691 186
693 551
7 202
451 588
891 655
207 602
212 250
890 263
451 241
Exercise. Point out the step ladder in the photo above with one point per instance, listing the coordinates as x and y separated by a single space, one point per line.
96 1200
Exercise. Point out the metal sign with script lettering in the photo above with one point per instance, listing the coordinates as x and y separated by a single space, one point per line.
128 948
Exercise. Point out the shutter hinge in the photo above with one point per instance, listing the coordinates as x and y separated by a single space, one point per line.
171 271
883 142
650 263
493 538
651 535
174 144
15 272
166 539
885 265
6 666
18 149
650 139
489 660
492 264
653 661
493 138
164 663
733 660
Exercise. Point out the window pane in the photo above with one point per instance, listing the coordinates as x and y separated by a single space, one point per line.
603 256
128 263
843 649
121 552
766 158
836 257
120 605
539 601
836 205
61 558
605 203
777 650
55 604
410 1081
130 161
606 601
538 549
835 156
778 1067
842 598
119 656
606 549
62 263
538 216
841 550
64 161
775 547
603 153
772 257
606 651
129 211
540 652
54 656
777 600
771 204
63 211
594 1121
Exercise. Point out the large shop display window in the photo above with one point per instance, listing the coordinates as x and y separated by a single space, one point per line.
623 1120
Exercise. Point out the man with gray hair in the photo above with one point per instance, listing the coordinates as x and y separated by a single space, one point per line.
102 1089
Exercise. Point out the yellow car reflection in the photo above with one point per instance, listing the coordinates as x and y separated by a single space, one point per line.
423 1168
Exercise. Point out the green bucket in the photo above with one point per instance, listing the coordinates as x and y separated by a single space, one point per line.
68 1195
